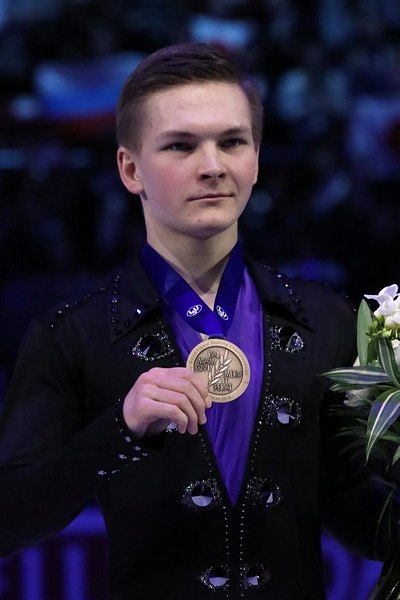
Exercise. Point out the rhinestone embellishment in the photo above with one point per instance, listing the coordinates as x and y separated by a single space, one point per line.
264 491
200 495
255 576
172 428
286 339
152 346
132 452
216 578
281 411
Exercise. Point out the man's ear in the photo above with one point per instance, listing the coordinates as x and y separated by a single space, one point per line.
128 171
257 165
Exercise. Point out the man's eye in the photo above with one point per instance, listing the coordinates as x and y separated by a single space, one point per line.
179 147
232 142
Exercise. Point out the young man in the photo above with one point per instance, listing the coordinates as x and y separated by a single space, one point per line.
187 396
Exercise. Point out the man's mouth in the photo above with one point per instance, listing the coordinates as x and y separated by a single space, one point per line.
211 196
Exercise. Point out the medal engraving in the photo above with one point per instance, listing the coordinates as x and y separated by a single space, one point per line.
223 366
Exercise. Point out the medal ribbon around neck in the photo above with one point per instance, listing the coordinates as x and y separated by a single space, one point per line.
223 366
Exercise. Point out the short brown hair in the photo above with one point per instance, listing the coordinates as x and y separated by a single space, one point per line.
175 66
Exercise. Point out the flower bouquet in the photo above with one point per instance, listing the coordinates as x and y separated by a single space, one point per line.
372 392
372 384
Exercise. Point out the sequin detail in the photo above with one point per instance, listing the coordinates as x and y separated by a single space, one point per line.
114 308
264 492
286 339
254 576
68 306
152 346
132 452
293 302
216 578
281 411
202 494
172 429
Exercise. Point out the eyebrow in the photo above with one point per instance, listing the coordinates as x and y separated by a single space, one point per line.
183 134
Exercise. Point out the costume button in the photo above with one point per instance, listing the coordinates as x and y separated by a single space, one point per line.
281 411
216 578
264 491
255 576
201 494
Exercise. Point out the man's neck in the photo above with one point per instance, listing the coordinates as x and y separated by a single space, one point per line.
201 263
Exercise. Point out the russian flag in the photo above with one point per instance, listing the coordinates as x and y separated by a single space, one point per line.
80 97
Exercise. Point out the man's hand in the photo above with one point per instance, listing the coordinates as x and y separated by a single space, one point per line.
163 396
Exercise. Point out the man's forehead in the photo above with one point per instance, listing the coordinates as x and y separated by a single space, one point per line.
190 92
192 103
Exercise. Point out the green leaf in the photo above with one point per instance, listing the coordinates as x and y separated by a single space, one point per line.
388 361
340 387
372 351
390 437
396 455
358 376
383 413
364 320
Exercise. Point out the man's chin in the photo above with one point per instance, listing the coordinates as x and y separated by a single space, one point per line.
212 228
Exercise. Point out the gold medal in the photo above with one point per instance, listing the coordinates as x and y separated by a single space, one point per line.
223 366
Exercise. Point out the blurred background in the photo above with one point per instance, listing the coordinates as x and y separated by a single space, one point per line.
325 206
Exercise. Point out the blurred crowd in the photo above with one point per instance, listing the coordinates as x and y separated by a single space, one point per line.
326 204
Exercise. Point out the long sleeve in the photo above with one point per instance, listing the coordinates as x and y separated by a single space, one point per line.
53 455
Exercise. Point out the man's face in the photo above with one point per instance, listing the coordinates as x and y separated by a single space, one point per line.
197 163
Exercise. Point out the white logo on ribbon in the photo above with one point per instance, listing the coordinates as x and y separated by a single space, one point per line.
222 313
194 310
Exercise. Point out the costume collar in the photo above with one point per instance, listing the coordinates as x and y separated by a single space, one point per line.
278 292
132 297
187 303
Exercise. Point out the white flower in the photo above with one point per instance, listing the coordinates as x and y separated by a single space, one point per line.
396 348
355 398
389 305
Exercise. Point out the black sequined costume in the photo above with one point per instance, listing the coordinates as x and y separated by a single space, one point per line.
173 533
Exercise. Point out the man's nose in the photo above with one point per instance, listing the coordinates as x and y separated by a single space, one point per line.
211 164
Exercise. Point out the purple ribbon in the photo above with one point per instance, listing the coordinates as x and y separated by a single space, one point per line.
187 303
